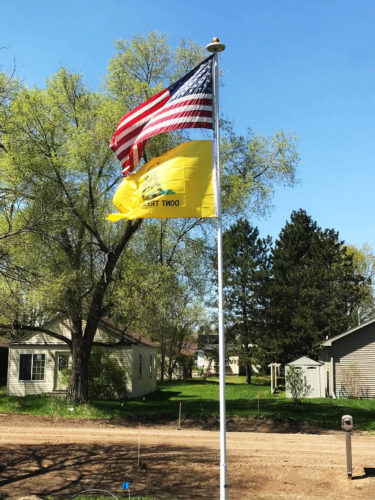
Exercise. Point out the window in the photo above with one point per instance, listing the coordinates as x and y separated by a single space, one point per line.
32 366
140 365
151 365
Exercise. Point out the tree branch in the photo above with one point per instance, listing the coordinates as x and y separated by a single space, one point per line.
28 328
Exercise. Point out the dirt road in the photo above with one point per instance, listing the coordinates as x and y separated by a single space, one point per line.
63 458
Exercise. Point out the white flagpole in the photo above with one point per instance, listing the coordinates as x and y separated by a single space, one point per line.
216 47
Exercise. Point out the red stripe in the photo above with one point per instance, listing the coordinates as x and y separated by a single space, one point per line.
140 106
188 102
133 134
129 166
126 138
172 106
184 122
179 126
141 116
179 114
139 130
184 118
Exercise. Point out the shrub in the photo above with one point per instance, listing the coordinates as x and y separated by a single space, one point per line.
353 382
107 378
296 384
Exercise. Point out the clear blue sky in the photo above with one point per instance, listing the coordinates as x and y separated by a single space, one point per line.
307 66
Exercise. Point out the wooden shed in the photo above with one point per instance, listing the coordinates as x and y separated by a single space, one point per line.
313 372
36 360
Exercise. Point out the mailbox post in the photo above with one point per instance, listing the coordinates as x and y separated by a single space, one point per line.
347 426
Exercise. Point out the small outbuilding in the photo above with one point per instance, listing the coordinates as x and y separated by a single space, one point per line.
313 372
37 360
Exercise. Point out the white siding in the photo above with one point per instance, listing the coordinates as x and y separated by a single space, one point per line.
124 356
145 383
358 349
24 387
127 356
63 328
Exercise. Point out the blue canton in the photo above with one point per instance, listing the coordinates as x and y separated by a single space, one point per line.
198 81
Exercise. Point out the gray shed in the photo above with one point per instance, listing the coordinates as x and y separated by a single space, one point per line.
313 371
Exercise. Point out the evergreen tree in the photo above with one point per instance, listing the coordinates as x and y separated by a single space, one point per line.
245 259
313 291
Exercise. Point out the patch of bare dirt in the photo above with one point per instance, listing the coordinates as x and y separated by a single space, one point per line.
234 424
63 457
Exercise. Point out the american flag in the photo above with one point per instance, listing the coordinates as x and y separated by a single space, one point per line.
187 103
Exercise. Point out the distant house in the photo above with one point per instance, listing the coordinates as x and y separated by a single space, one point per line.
36 359
349 362
208 357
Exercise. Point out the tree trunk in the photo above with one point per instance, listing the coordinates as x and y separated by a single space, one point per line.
78 389
248 372
162 367
248 368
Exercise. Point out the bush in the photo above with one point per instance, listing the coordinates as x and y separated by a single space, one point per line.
352 380
296 384
107 378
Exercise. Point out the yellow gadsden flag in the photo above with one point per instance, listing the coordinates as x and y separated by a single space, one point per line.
175 184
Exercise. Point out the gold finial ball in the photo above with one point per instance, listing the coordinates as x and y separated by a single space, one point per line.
215 45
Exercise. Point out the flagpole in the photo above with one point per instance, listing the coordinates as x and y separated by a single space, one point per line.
217 47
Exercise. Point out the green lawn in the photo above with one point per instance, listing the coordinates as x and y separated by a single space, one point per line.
202 398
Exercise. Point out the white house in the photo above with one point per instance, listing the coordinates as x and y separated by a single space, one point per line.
36 359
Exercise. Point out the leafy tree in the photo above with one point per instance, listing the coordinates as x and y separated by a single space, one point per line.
245 262
59 171
313 291
364 265
164 273
57 180
252 168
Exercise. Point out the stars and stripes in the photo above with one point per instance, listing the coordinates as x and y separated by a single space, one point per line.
187 103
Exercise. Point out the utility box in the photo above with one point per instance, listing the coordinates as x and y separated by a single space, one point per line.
312 371
347 422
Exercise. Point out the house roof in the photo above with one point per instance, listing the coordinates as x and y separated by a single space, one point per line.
188 349
328 342
128 335
304 361
124 336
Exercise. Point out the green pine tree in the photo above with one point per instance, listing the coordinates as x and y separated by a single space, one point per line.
313 291
245 259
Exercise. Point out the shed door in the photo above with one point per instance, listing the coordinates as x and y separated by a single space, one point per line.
62 362
312 378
